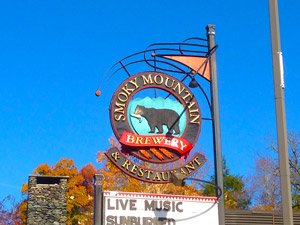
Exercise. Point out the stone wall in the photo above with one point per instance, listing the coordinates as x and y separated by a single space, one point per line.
47 200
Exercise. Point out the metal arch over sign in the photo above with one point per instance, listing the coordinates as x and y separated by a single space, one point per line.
159 130
150 136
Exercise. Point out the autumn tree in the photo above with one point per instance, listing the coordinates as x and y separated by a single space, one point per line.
236 195
22 208
9 215
79 194
88 171
116 180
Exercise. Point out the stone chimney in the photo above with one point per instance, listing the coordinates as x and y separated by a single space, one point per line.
47 200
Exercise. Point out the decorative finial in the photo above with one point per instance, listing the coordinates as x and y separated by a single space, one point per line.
98 93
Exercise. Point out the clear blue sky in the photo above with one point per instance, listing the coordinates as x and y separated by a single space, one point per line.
54 53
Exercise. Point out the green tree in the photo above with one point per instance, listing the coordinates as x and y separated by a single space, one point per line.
236 195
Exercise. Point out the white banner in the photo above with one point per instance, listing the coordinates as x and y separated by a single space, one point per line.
128 208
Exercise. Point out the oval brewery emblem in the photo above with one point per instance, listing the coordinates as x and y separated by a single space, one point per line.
156 118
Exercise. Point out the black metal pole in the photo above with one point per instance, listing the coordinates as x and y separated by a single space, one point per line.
98 199
216 122
286 200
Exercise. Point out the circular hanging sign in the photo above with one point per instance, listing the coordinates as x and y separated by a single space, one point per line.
155 117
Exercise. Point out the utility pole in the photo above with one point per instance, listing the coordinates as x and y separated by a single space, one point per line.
98 199
216 121
284 168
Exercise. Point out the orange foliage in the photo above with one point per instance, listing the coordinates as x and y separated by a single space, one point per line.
23 211
79 199
87 172
43 169
80 190
263 207
116 180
